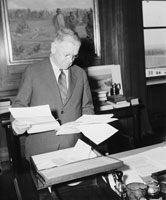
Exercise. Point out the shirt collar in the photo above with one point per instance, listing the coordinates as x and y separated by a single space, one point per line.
57 70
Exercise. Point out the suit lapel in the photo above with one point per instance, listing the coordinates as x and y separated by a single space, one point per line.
54 84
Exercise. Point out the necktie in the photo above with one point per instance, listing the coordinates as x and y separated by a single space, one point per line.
62 85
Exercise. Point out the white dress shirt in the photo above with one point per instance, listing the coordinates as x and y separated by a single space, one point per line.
57 72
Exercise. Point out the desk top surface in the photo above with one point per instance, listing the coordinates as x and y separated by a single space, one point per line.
136 151
145 161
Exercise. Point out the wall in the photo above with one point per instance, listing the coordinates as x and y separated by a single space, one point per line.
157 107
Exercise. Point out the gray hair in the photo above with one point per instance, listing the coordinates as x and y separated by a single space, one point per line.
66 33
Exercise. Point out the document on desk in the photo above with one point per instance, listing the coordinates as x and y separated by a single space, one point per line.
157 154
40 118
147 162
94 127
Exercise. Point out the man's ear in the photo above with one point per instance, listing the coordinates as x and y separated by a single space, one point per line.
53 47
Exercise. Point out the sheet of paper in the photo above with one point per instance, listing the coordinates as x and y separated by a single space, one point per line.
39 117
142 164
68 128
156 154
29 112
94 127
130 175
74 126
44 126
89 119
97 132
82 150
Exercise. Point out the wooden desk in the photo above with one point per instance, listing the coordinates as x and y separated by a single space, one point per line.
133 112
86 190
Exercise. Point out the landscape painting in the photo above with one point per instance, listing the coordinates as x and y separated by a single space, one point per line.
30 26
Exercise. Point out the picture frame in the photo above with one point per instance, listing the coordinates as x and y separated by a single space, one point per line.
29 26
102 77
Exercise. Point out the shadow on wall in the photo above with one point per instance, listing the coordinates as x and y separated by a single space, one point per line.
86 54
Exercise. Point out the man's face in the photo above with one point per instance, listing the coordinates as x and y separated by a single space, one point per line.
64 53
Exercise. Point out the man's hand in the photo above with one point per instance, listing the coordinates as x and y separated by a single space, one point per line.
20 126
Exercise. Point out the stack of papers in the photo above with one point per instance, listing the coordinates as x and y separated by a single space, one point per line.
40 118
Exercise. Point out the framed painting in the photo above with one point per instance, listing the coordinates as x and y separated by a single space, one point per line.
30 26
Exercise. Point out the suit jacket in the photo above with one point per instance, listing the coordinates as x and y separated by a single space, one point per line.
39 87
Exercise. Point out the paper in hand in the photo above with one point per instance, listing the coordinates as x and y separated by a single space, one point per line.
40 118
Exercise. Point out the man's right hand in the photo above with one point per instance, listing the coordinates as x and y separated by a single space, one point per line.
20 126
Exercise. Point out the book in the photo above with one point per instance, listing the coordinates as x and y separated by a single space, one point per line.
99 95
5 102
104 106
116 98
121 102
101 99
133 100
120 105
4 109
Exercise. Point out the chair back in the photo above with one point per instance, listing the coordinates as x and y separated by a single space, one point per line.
16 159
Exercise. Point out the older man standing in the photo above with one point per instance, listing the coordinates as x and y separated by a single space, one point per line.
40 85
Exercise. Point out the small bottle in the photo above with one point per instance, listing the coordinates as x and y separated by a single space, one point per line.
113 89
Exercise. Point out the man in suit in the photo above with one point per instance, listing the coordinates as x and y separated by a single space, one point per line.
39 86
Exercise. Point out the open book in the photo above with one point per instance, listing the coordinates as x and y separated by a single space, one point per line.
40 118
